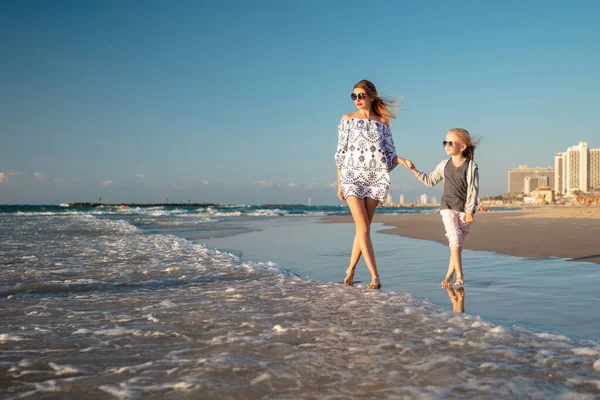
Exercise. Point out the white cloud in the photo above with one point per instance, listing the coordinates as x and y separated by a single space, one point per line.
3 177
141 176
107 183
13 173
332 184
291 185
60 180
39 177
264 183
312 185
205 182
399 186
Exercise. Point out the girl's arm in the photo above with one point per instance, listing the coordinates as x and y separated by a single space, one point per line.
472 193
434 177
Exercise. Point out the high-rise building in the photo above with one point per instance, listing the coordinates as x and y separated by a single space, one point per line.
434 201
423 199
579 169
401 199
388 199
534 182
594 168
517 178
558 172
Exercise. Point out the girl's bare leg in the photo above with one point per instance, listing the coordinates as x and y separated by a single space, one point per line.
447 282
356 253
455 265
456 255
358 208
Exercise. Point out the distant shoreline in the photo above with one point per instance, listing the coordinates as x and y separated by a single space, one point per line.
86 204
566 232
92 204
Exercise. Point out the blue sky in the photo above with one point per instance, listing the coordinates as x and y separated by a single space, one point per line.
238 102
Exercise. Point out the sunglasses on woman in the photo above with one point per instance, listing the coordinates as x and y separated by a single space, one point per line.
450 143
361 96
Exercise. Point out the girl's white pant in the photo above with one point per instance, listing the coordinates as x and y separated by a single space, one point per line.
456 227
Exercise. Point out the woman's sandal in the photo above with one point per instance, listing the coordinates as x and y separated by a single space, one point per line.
375 284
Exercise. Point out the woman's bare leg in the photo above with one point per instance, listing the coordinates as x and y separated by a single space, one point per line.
354 258
356 253
358 208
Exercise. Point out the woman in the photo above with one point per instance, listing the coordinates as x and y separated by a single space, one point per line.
364 158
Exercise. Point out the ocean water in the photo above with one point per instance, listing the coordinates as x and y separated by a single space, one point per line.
242 302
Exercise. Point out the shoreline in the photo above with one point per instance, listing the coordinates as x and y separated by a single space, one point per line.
569 233
91 204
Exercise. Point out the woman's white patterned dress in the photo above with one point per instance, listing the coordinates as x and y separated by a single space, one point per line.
365 155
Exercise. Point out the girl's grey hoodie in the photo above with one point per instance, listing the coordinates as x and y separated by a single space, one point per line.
472 181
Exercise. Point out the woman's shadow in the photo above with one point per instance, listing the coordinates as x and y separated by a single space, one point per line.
457 298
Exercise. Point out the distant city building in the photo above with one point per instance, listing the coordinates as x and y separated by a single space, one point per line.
578 168
534 182
558 172
594 169
401 199
423 199
538 177
543 195
388 199
434 201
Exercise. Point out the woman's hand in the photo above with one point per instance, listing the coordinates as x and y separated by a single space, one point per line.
469 218
340 193
408 164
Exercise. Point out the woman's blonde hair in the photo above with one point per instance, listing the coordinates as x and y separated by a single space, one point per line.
381 106
466 138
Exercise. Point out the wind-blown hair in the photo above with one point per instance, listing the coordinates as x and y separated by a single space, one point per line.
466 138
381 106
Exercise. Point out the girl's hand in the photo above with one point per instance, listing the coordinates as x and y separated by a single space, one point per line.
408 164
340 194
469 218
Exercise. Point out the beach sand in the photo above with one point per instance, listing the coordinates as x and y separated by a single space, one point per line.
565 232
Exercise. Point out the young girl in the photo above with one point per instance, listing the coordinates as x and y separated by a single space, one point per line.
459 201
364 157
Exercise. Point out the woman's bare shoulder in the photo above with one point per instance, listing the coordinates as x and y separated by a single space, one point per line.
347 116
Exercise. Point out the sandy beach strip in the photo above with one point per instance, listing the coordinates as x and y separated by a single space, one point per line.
571 233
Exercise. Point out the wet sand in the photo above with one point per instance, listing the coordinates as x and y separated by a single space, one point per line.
571 233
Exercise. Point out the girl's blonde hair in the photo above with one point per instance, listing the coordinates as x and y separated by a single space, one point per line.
465 138
381 106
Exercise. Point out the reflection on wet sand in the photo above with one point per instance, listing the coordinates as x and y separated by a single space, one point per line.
457 298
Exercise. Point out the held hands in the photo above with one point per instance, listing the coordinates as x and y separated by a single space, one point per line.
408 164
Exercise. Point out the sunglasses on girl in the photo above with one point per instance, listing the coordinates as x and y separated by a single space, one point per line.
450 143
361 96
